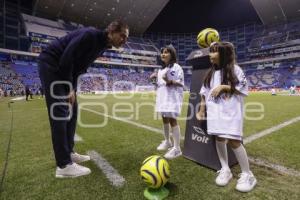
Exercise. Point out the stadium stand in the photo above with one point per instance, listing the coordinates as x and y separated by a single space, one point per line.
280 74
19 71
42 31
10 83
270 55
112 78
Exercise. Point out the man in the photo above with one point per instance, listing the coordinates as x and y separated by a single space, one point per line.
41 92
273 91
59 67
28 92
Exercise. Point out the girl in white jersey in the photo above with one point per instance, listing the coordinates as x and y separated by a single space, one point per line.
169 96
222 96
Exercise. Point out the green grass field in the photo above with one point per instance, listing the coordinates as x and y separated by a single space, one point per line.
30 170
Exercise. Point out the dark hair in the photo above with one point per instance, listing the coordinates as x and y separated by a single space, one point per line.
172 52
227 61
116 26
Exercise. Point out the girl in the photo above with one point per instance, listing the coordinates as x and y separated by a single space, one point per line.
222 95
170 82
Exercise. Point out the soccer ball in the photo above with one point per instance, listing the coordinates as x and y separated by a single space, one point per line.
207 36
155 171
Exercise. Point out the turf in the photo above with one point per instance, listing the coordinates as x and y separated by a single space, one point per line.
30 172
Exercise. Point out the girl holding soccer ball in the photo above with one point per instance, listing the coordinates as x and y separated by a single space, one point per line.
222 94
169 97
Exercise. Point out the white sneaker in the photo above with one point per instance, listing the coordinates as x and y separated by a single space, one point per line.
173 153
224 176
246 182
72 171
164 145
77 158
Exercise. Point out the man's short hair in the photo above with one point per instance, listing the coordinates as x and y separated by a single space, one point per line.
116 26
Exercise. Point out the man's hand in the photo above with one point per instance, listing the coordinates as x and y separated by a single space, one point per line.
72 97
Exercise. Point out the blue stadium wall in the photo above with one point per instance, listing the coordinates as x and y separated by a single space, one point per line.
184 43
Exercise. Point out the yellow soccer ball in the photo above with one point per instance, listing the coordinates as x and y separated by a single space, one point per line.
207 36
155 171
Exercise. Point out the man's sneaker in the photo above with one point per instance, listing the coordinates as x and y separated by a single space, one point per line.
224 176
72 171
246 182
77 158
164 145
173 153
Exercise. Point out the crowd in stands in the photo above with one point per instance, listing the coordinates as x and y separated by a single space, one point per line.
280 75
113 79
281 43
15 77
10 83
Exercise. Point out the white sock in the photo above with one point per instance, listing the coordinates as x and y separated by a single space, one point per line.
222 153
241 156
167 132
176 136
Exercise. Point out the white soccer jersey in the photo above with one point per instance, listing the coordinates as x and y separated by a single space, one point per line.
225 114
169 98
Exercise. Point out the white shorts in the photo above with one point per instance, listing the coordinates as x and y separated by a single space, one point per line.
169 114
233 137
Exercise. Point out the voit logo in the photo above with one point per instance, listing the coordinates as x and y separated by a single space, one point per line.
199 135
198 54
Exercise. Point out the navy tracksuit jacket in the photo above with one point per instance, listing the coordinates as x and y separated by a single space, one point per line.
64 60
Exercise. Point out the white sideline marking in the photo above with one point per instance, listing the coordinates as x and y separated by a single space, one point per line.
279 168
111 173
257 161
15 111
39 109
289 94
18 99
270 130
77 138
34 109
156 130
247 140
